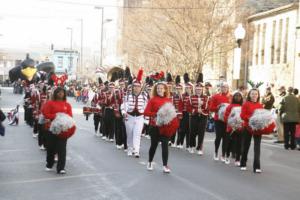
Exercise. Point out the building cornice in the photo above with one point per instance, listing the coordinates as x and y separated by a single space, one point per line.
273 12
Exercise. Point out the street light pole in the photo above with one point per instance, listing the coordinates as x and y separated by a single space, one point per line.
239 34
71 47
102 24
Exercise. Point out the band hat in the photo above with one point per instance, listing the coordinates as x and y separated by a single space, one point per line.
138 80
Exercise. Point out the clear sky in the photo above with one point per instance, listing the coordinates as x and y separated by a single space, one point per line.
36 24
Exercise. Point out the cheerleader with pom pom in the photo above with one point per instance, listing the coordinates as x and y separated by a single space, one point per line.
215 106
257 121
60 126
234 123
163 123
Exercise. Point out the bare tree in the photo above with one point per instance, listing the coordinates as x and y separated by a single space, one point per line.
181 35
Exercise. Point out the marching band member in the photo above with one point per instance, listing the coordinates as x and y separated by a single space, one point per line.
216 100
120 130
184 130
41 130
133 111
200 103
96 102
109 107
148 89
158 109
178 103
34 100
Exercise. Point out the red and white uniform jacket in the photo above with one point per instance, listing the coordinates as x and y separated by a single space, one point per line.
186 103
110 100
35 102
200 104
134 104
178 103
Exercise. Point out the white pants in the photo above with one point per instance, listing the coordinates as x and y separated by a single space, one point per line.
134 128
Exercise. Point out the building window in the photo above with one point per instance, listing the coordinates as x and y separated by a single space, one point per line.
278 50
263 44
273 43
257 44
286 38
60 62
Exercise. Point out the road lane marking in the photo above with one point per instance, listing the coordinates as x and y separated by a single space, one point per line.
55 178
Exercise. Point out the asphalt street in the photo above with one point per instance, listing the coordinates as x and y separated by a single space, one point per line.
96 170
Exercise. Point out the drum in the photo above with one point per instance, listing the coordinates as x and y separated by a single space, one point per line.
97 111
87 110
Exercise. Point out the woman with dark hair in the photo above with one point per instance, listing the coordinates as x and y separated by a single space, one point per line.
160 108
56 143
234 136
248 109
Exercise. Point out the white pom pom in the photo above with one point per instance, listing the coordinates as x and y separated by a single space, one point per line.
234 120
261 119
221 111
61 123
165 114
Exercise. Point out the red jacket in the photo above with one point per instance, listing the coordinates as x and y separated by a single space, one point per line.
153 106
218 99
50 108
49 111
247 111
227 113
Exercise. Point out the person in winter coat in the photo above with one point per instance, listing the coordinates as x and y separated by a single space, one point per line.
56 144
160 96
290 115
248 108
268 99
233 137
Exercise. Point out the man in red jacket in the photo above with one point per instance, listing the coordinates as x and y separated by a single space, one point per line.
223 97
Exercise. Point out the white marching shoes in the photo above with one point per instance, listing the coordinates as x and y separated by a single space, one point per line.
227 161
200 152
216 158
166 169
243 168
150 166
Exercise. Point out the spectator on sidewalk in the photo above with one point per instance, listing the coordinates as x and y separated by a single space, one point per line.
268 99
279 124
290 115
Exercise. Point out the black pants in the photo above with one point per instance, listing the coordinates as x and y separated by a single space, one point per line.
120 130
109 121
97 120
172 139
155 139
35 126
56 145
289 135
42 135
233 144
220 133
198 125
246 145
184 130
